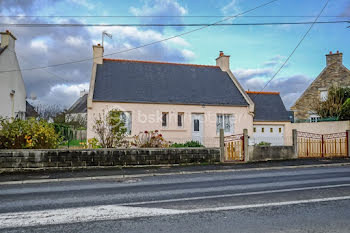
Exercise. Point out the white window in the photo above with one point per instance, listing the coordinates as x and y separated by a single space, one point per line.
323 95
224 121
180 119
127 119
314 118
165 119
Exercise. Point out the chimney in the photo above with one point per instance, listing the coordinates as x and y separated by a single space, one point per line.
223 61
334 58
97 54
7 39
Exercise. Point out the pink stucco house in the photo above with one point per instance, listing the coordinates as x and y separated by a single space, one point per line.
183 101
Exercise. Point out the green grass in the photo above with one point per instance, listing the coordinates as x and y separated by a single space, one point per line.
73 143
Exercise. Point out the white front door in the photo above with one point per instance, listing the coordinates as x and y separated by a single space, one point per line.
197 127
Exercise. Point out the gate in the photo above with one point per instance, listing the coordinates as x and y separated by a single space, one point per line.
312 145
234 147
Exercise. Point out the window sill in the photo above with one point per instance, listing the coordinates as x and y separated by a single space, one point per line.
175 130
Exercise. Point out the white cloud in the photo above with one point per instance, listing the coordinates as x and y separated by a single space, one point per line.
75 40
250 73
63 94
231 8
39 44
188 54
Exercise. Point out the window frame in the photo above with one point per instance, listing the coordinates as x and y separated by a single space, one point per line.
181 115
166 119
127 121
220 124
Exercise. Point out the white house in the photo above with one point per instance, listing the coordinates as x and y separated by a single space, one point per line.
12 89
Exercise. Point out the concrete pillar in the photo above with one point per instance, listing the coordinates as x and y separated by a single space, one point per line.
295 143
245 145
222 146
348 138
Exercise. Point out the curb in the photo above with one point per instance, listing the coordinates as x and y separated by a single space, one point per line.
38 181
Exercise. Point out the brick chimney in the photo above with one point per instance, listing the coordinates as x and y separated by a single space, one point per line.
98 54
7 39
223 61
334 58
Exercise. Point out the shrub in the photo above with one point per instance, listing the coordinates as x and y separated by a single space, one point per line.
345 110
27 134
149 139
93 143
110 129
263 144
187 144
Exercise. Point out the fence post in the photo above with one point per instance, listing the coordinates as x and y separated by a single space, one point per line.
295 142
222 146
348 142
245 145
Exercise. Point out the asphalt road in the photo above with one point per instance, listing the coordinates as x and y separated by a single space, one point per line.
285 200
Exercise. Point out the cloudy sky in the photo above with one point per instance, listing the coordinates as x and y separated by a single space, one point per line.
256 51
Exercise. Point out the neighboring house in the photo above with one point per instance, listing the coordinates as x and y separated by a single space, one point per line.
12 89
78 111
334 74
30 111
271 119
183 101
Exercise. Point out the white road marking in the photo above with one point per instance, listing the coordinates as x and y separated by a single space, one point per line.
115 212
236 194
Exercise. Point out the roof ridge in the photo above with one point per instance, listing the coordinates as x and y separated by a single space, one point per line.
158 62
264 92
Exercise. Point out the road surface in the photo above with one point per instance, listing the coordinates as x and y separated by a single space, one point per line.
284 200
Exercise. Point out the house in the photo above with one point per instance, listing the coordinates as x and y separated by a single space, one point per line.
78 111
183 101
334 74
30 111
12 89
271 121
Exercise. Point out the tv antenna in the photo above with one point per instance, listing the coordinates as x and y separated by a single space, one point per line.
104 33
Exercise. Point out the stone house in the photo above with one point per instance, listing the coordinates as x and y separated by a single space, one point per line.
334 74
12 89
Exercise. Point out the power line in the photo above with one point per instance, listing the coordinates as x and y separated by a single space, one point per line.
145 45
162 25
296 47
170 16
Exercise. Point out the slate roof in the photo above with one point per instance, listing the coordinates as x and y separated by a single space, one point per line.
80 106
155 82
268 106
30 111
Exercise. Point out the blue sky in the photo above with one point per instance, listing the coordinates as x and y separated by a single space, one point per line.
256 51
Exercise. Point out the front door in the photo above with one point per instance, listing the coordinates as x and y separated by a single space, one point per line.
197 127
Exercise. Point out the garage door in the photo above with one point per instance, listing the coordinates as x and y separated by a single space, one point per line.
268 133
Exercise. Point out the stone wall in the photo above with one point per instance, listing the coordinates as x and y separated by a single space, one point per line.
105 157
334 74
265 153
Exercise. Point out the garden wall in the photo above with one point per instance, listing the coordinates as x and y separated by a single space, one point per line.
105 157
265 153
325 127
